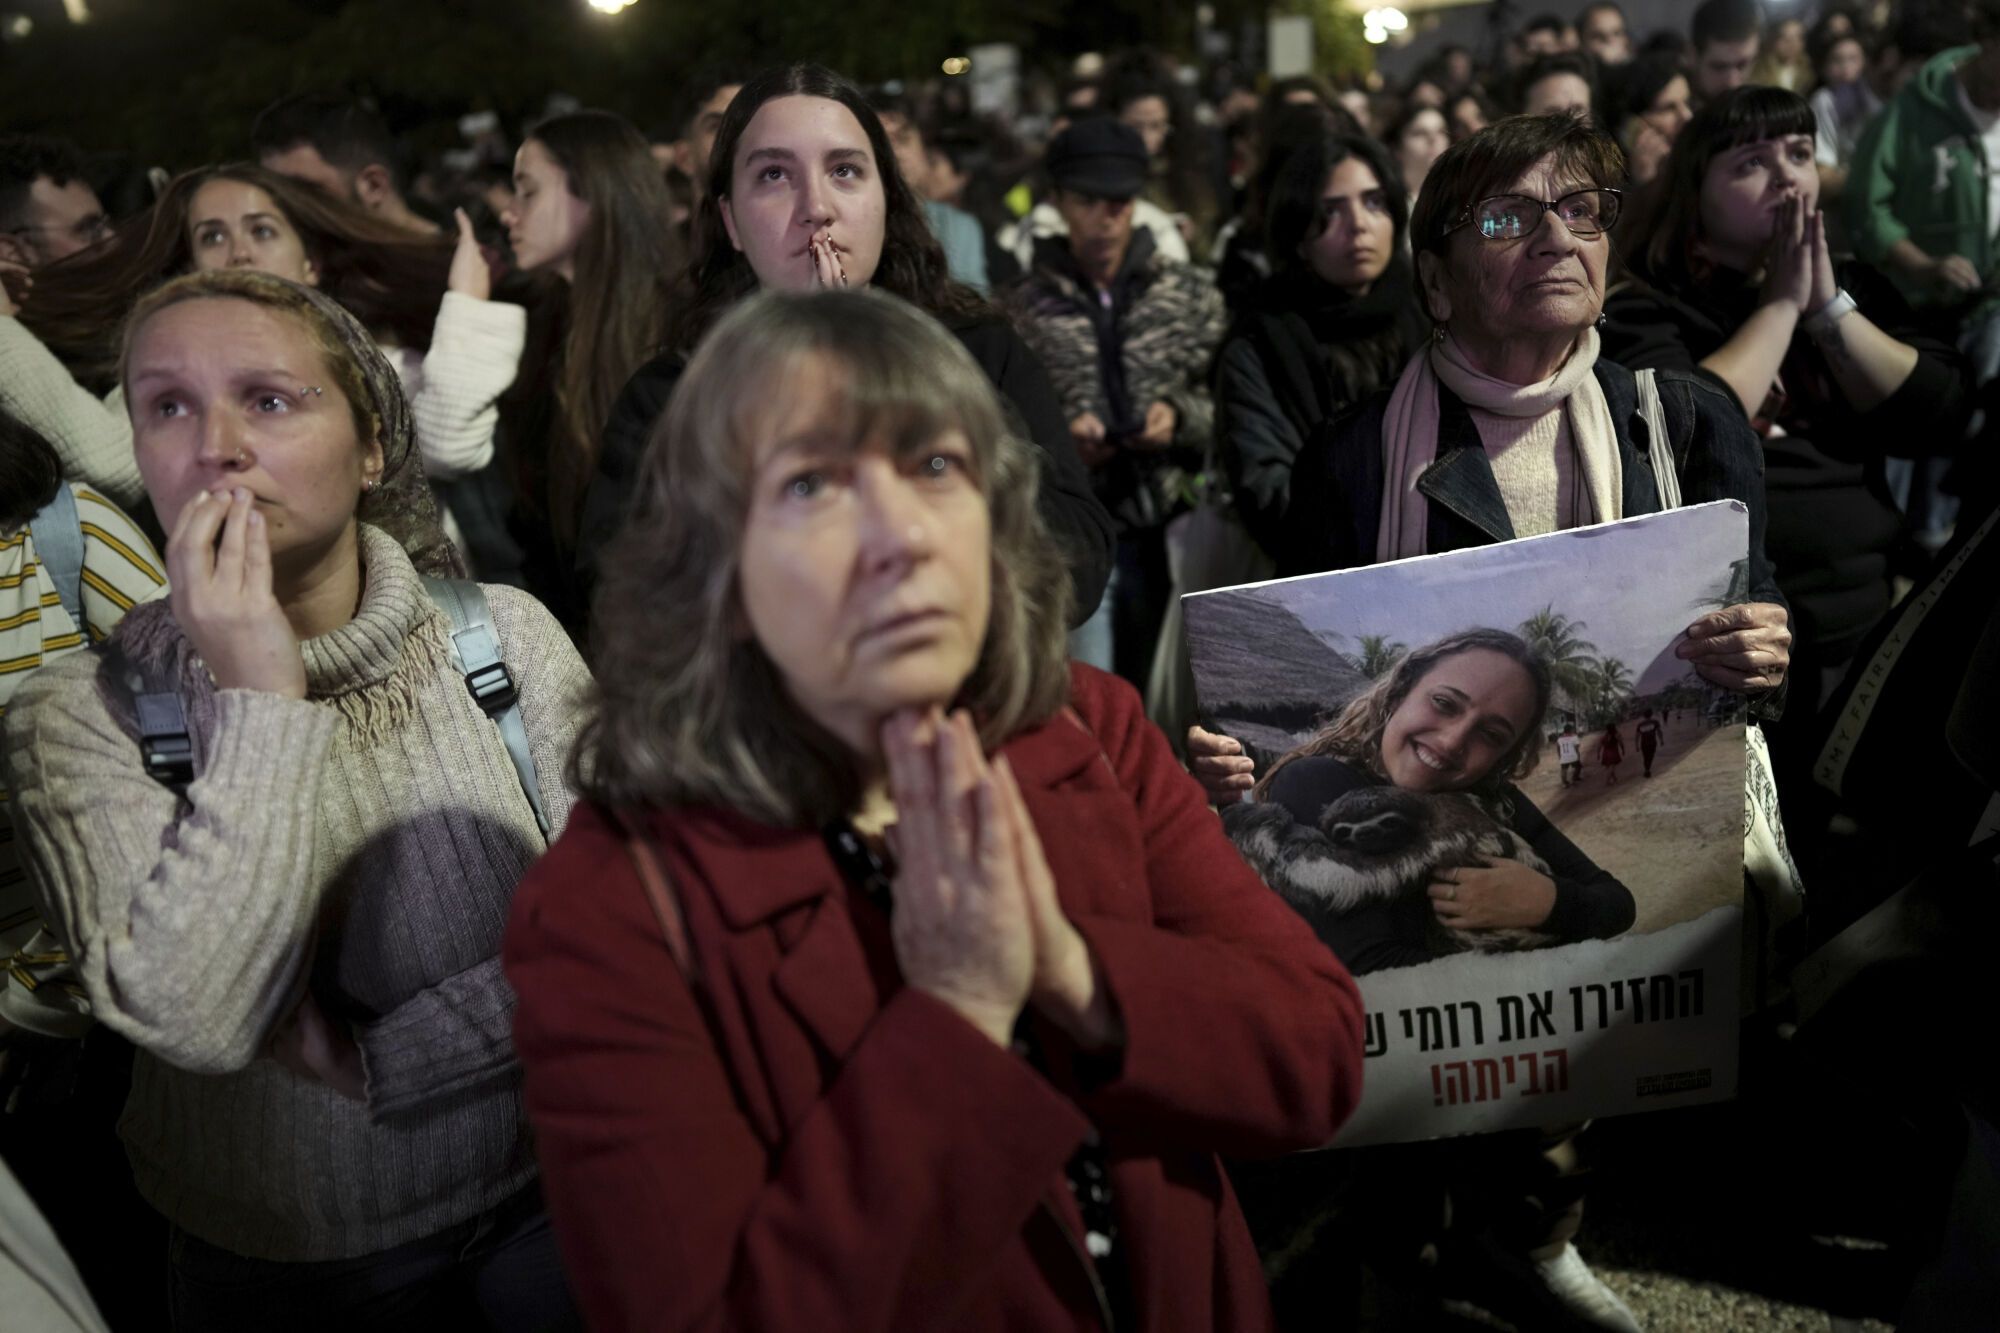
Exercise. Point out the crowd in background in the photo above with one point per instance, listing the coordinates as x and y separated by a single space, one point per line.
1167 305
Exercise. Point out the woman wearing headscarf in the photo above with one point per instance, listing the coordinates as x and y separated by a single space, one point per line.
303 941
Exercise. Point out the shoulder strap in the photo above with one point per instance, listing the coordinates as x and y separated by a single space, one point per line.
475 651
1660 444
659 890
58 536
166 749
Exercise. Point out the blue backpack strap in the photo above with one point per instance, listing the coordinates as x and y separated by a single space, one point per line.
475 651
58 536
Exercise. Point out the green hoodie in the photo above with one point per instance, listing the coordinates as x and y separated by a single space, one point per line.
1920 174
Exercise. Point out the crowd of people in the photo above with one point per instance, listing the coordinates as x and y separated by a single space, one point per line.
595 727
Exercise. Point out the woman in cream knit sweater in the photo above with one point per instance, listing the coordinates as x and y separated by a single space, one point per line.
304 942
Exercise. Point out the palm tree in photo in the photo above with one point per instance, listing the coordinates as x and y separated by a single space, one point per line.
1378 653
1611 682
1558 641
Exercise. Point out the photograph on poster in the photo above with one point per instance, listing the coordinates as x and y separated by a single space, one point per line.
1492 787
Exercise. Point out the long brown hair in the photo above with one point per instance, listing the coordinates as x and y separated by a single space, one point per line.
688 708
1355 735
386 278
912 265
625 261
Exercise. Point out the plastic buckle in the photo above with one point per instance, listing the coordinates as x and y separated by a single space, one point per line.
168 759
492 688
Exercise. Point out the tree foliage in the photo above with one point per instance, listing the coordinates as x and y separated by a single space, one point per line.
178 83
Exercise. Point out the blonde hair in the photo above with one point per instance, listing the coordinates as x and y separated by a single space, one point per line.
1355 734
688 708
272 293
401 503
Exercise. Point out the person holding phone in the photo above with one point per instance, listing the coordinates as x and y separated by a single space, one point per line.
1128 337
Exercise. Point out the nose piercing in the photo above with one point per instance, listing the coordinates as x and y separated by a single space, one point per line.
241 457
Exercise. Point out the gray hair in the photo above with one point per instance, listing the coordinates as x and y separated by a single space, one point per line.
688 709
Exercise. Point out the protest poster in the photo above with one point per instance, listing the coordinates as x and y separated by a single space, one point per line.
1533 949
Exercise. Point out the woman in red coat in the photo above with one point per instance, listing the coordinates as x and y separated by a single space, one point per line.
967 1002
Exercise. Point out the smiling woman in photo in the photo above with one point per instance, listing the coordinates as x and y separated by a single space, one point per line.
1462 715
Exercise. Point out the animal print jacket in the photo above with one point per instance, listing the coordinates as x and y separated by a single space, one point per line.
1152 339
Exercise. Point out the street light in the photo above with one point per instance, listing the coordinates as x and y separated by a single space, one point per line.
1377 24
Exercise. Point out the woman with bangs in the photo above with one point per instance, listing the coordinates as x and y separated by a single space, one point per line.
893 967
426 304
1732 280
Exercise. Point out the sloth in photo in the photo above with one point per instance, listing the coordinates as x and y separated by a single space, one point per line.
1384 845
1397 831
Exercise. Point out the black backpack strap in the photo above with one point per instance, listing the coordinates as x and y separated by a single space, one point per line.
165 746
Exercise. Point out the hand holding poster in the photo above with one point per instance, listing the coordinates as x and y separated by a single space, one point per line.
1494 788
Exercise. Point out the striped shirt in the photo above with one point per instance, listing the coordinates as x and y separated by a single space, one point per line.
120 570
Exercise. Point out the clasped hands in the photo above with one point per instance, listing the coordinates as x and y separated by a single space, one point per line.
977 923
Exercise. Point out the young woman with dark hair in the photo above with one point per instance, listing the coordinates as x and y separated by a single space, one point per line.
1648 104
1731 280
1242 262
1335 321
1136 92
591 227
803 192
1462 714
1416 137
423 301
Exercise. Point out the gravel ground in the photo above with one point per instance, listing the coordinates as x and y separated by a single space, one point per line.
1669 1304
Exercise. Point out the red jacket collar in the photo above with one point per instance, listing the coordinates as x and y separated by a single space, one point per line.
772 870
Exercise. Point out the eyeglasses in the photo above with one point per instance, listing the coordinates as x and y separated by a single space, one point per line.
1509 217
87 232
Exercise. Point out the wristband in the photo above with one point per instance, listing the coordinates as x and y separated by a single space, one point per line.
1821 321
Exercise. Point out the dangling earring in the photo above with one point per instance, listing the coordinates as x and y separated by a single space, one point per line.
1602 320
1439 330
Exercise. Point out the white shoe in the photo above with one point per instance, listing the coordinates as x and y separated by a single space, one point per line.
1585 1294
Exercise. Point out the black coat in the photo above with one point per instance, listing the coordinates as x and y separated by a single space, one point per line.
1833 527
1297 357
1067 505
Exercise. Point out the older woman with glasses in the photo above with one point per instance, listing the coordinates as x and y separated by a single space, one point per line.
1509 424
